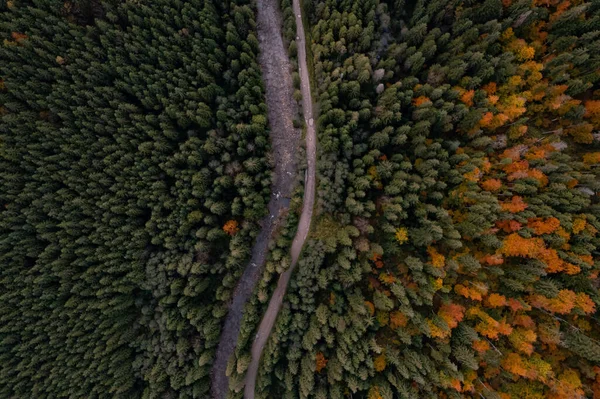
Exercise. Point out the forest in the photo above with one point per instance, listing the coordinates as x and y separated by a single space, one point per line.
454 249
134 168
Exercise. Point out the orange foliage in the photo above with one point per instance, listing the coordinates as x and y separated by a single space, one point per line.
18 37
486 120
593 158
374 393
516 165
496 300
481 345
468 385
452 314
537 153
437 259
589 259
420 100
514 153
508 225
516 305
515 245
592 111
473 175
585 303
231 227
454 383
555 264
488 326
387 278
370 307
513 107
467 97
538 175
321 362
491 184
397 319
493 260
564 302
572 183
376 258
490 88
524 321
513 363
543 226
532 173
471 293
515 205
532 368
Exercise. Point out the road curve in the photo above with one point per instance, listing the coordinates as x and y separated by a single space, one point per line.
282 108
266 324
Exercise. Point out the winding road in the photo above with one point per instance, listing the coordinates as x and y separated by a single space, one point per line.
276 71
266 325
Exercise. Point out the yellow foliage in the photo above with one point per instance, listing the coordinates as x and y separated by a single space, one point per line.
379 363
525 53
507 34
374 393
593 158
402 235
578 225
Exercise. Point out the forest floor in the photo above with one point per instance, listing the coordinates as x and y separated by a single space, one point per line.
282 108
266 324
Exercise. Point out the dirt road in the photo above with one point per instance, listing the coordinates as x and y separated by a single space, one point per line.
276 72
266 325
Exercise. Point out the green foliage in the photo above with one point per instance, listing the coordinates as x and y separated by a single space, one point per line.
429 125
130 133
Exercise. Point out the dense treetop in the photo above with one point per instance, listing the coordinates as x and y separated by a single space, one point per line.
133 171
457 249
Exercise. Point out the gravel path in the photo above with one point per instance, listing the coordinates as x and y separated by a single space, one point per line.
276 72
266 325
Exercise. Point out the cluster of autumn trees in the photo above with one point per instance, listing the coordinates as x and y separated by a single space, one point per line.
456 251
133 167
455 247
